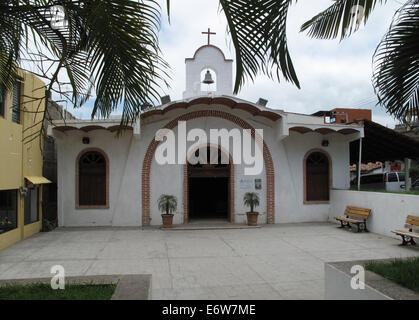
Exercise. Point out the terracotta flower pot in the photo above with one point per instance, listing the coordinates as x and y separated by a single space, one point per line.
252 218
167 220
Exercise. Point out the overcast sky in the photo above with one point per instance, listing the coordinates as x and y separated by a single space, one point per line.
331 73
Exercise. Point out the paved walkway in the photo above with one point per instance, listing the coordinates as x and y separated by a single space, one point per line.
274 262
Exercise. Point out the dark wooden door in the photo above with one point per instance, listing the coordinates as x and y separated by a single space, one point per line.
317 175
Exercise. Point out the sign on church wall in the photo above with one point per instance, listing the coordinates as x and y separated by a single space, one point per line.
246 184
258 184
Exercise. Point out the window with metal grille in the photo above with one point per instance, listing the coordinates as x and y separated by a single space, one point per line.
92 179
31 205
8 210
17 87
317 177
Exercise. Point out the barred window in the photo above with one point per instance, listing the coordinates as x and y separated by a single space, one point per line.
8 210
17 87
2 102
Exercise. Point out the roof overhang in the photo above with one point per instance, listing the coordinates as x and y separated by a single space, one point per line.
111 125
37 180
383 144
303 123
326 129
231 102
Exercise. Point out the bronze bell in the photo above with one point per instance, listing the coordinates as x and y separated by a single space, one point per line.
208 78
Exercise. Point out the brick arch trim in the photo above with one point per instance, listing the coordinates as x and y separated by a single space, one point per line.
148 159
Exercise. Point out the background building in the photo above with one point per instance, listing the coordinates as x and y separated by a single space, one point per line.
344 115
21 143
49 170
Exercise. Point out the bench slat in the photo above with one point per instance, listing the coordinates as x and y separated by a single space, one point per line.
358 209
412 220
355 212
348 220
411 226
406 233
355 215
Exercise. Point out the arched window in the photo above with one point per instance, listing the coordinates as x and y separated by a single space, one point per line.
317 177
92 180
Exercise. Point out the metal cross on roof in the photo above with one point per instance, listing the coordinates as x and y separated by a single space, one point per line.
209 33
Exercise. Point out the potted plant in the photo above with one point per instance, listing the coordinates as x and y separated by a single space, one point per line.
251 199
6 224
167 204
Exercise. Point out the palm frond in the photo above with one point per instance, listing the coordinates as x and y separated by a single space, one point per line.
11 32
168 9
343 17
109 46
167 203
251 199
123 47
258 33
396 63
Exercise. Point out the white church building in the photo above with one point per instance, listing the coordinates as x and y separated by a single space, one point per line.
110 180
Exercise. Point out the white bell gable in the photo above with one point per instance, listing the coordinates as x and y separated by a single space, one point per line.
212 58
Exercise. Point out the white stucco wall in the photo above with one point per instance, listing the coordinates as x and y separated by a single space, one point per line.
122 186
388 210
126 155
208 57
168 179
289 158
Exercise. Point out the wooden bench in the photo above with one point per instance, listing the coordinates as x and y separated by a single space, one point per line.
412 223
356 216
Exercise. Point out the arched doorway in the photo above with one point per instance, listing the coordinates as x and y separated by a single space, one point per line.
209 185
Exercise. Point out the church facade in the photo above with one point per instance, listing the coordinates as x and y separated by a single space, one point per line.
197 149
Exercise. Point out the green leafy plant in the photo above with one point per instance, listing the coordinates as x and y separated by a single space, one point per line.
395 61
112 48
5 222
108 47
167 203
251 199
47 225
414 173
5 225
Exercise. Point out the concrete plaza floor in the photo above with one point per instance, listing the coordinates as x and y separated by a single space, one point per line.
284 261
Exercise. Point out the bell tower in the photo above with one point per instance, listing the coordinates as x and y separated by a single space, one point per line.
208 64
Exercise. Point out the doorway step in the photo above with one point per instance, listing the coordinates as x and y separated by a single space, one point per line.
210 225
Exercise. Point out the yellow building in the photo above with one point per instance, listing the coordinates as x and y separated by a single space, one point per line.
21 114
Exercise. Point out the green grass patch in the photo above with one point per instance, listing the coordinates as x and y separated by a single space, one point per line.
405 272
43 291
415 192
